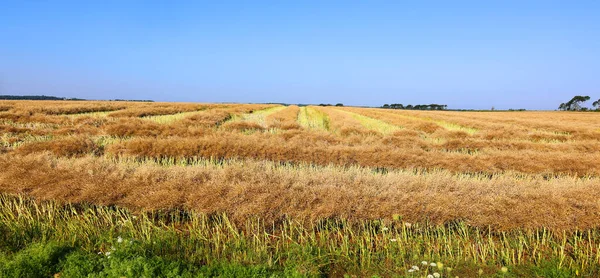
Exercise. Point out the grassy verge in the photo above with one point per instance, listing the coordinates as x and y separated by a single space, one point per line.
43 239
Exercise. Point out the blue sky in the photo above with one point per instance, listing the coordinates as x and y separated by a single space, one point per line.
467 54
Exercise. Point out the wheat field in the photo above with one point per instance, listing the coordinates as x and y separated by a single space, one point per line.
374 191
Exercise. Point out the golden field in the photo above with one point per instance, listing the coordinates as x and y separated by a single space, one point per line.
500 169
495 171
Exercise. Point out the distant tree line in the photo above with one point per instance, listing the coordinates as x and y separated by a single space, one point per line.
416 107
133 100
327 104
42 97
576 104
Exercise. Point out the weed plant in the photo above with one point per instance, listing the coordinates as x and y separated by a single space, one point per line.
43 239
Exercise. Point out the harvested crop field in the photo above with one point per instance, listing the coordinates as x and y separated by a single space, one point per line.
271 190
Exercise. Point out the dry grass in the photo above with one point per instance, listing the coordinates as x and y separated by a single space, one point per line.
374 124
208 118
506 170
284 119
344 124
67 147
4 108
257 117
157 110
243 189
312 119
387 152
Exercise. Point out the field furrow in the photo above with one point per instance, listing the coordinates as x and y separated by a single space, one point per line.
231 187
373 124
285 119
313 119
342 123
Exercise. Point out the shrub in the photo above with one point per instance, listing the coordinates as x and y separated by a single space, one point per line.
37 260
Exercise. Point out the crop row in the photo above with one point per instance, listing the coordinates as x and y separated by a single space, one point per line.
246 188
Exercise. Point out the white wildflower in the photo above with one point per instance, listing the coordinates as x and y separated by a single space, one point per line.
415 267
384 229
119 239
393 239
429 276
436 275
411 270
107 254
424 262
433 264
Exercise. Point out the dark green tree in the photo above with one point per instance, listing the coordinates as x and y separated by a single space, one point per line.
575 103
562 106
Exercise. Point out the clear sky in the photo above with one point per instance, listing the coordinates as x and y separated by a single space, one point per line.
467 54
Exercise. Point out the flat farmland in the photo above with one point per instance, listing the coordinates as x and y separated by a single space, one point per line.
272 190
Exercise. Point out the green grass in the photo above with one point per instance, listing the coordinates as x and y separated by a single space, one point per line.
42 239
311 118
